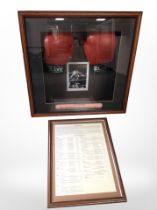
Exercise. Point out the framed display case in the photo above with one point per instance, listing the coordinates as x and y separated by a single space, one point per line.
82 166
78 62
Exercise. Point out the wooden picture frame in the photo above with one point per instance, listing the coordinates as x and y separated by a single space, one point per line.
82 164
110 71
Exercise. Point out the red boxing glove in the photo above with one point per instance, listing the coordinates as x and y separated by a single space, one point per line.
100 47
58 48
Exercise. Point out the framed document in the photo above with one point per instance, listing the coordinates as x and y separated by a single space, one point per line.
82 166
78 62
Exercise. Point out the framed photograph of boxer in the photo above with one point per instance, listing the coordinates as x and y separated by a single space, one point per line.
79 62
83 168
77 76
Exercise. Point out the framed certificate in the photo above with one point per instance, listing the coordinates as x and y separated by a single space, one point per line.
82 166
78 62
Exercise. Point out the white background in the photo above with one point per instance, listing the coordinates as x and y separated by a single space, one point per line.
23 140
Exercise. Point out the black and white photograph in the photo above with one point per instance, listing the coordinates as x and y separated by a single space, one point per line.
77 76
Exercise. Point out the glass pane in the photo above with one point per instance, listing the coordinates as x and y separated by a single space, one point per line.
79 63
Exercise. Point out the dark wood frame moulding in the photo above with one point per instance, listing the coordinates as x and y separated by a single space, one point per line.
85 200
23 14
